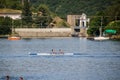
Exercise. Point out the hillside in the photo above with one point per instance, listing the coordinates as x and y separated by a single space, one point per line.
62 7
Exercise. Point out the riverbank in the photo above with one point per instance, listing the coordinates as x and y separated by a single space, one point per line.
50 32
114 37
3 36
43 32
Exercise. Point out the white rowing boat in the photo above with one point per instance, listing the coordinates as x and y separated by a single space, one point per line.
70 54
45 54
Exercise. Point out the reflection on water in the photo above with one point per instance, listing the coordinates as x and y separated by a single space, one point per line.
99 60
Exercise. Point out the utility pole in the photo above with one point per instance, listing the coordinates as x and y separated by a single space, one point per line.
22 2
101 25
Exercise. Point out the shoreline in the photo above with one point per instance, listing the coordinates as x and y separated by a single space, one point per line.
33 37
114 37
3 36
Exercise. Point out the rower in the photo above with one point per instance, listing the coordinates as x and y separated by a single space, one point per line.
60 51
53 51
21 78
7 77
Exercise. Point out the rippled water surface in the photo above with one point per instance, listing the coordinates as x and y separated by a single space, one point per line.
98 60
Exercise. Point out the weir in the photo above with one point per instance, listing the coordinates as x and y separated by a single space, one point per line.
43 32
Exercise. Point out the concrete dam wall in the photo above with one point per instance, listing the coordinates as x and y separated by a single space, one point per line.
43 32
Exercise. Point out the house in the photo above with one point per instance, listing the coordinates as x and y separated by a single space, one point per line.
14 14
78 20
79 24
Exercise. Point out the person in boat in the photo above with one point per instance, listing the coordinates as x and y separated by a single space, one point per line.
21 78
61 51
53 51
7 77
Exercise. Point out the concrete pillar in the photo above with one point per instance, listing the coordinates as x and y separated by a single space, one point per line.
85 23
80 23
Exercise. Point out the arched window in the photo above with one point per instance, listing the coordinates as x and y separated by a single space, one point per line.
83 24
77 22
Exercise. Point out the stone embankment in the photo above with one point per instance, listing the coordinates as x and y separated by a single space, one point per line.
115 37
43 32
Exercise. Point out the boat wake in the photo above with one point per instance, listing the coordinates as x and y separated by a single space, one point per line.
71 54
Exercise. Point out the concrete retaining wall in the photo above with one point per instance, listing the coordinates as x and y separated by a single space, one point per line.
43 32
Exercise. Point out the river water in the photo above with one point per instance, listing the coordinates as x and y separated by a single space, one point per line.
98 60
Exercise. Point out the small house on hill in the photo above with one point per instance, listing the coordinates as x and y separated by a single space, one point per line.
14 14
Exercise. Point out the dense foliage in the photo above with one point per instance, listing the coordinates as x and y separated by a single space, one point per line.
62 7
111 14
113 11
43 17
14 4
98 21
5 25
26 14
114 25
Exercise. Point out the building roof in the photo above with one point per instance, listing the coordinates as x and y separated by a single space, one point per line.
10 11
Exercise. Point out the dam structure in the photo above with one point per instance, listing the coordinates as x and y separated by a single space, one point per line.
78 27
79 24
43 32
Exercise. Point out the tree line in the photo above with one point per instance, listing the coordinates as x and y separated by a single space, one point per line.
109 12
28 19
107 19
5 25
62 7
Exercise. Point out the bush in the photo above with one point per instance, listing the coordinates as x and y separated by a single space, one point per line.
5 25
114 25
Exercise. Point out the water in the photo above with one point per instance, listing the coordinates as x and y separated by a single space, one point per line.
99 60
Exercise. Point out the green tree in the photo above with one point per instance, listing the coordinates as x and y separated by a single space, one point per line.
43 16
113 11
2 3
26 14
17 23
96 23
14 4
5 25
114 25
64 7
44 10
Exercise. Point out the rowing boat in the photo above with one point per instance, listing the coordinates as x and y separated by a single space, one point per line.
45 54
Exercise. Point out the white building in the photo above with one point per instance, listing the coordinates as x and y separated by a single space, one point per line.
79 24
80 21
14 14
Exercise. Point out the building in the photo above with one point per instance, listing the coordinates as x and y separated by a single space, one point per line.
78 20
78 23
14 14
